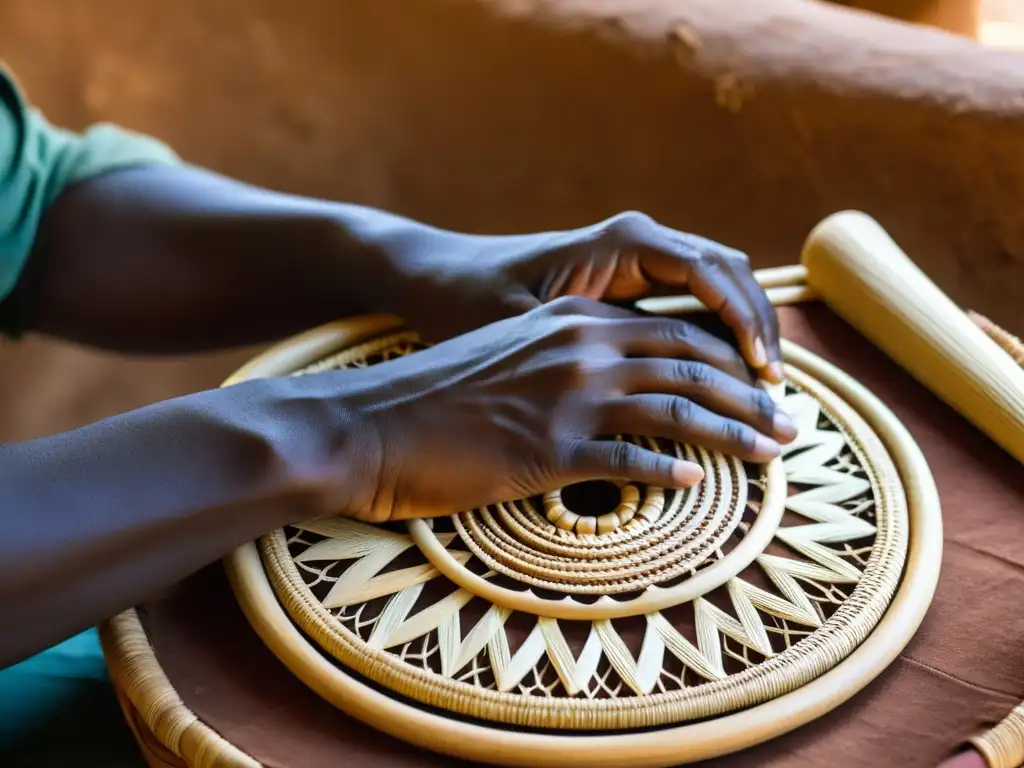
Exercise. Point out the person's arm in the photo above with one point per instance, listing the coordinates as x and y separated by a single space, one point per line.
178 259
173 259
108 239
97 519
109 242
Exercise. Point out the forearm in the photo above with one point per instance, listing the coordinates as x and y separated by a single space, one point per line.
97 519
168 259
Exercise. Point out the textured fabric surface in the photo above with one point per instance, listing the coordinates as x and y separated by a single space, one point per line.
961 674
38 160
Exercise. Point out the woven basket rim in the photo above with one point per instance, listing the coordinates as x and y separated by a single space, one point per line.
143 685
788 670
668 745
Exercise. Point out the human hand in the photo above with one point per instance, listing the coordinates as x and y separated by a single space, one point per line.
517 408
466 281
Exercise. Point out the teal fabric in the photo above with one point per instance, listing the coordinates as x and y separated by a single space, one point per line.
58 710
38 161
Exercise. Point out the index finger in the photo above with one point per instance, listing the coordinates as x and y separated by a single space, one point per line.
714 274
670 338
767 319
718 288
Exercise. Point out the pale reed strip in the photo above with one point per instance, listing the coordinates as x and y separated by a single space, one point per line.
156 754
1003 746
685 305
136 673
621 570
616 575
806 661
499 547
705 660
641 676
792 605
634 537
784 285
359 354
792 275
865 277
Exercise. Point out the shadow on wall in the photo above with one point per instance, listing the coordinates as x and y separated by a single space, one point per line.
744 122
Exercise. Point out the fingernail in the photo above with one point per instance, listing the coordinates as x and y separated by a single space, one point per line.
760 356
783 427
765 449
685 474
775 372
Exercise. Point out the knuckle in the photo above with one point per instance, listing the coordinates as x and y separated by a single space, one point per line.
627 225
734 433
739 258
620 455
681 410
680 331
706 250
674 333
700 375
566 453
579 366
578 374
764 405
716 252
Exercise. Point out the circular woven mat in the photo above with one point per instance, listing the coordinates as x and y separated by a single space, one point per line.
610 606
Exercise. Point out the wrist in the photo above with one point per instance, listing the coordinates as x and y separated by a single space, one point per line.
390 261
321 457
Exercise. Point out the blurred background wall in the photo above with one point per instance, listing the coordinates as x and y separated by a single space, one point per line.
439 113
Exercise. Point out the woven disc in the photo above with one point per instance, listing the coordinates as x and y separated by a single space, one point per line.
609 607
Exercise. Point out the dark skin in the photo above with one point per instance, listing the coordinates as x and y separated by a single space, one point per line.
511 402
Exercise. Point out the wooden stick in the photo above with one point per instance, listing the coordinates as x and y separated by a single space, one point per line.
684 305
864 277
780 277
784 285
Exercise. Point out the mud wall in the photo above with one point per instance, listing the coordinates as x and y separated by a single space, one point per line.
746 121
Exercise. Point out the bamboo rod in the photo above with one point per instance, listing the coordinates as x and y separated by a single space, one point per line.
864 276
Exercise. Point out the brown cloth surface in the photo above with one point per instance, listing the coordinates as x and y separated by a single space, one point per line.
962 673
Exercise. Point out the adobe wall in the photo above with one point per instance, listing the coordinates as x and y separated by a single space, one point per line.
744 121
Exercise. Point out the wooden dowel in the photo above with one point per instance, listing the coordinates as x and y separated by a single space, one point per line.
684 305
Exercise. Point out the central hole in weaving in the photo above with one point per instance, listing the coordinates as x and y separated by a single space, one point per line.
594 497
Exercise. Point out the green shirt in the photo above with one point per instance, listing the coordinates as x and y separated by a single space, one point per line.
57 708
38 161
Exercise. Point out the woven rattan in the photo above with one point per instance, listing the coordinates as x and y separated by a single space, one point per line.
152 703
352 587
834 657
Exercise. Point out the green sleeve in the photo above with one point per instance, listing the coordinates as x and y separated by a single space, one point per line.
38 161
